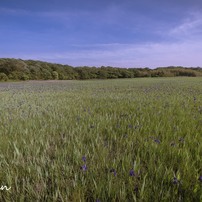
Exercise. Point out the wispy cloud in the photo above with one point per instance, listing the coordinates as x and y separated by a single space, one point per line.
128 55
88 37
11 11
23 12
190 26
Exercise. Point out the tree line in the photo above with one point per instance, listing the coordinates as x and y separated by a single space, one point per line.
17 69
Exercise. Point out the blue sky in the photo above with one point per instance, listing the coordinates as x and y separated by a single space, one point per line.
121 33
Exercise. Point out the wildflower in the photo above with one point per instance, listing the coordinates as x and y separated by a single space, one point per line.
132 172
84 167
175 180
112 170
84 159
200 178
157 141
130 126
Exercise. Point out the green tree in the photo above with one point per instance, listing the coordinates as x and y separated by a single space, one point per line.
55 75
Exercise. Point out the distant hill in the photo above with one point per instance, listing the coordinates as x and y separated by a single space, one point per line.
17 69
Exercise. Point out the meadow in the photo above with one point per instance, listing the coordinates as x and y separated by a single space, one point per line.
101 140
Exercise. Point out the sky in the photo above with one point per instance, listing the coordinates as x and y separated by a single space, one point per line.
118 33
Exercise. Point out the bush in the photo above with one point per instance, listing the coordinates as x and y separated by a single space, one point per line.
24 77
55 75
18 76
3 77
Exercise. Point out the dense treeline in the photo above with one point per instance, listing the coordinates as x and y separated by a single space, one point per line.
17 69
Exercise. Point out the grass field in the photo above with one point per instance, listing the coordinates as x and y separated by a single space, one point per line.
101 140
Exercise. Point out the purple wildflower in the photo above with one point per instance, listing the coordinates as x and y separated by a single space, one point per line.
200 178
130 126
175 180
112 170
84 167
132 172
84 159
157 141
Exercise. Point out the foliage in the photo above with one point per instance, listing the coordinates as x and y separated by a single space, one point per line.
37 70
55 75
3 77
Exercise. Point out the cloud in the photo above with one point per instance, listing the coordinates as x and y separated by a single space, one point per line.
23 12
190 26
181 43
127 55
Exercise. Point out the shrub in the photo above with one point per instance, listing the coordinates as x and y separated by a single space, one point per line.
3 77
55 75
24 77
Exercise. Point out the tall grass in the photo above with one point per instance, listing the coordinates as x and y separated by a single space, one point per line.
117 140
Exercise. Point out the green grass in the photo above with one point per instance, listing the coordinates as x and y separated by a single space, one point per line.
150 125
